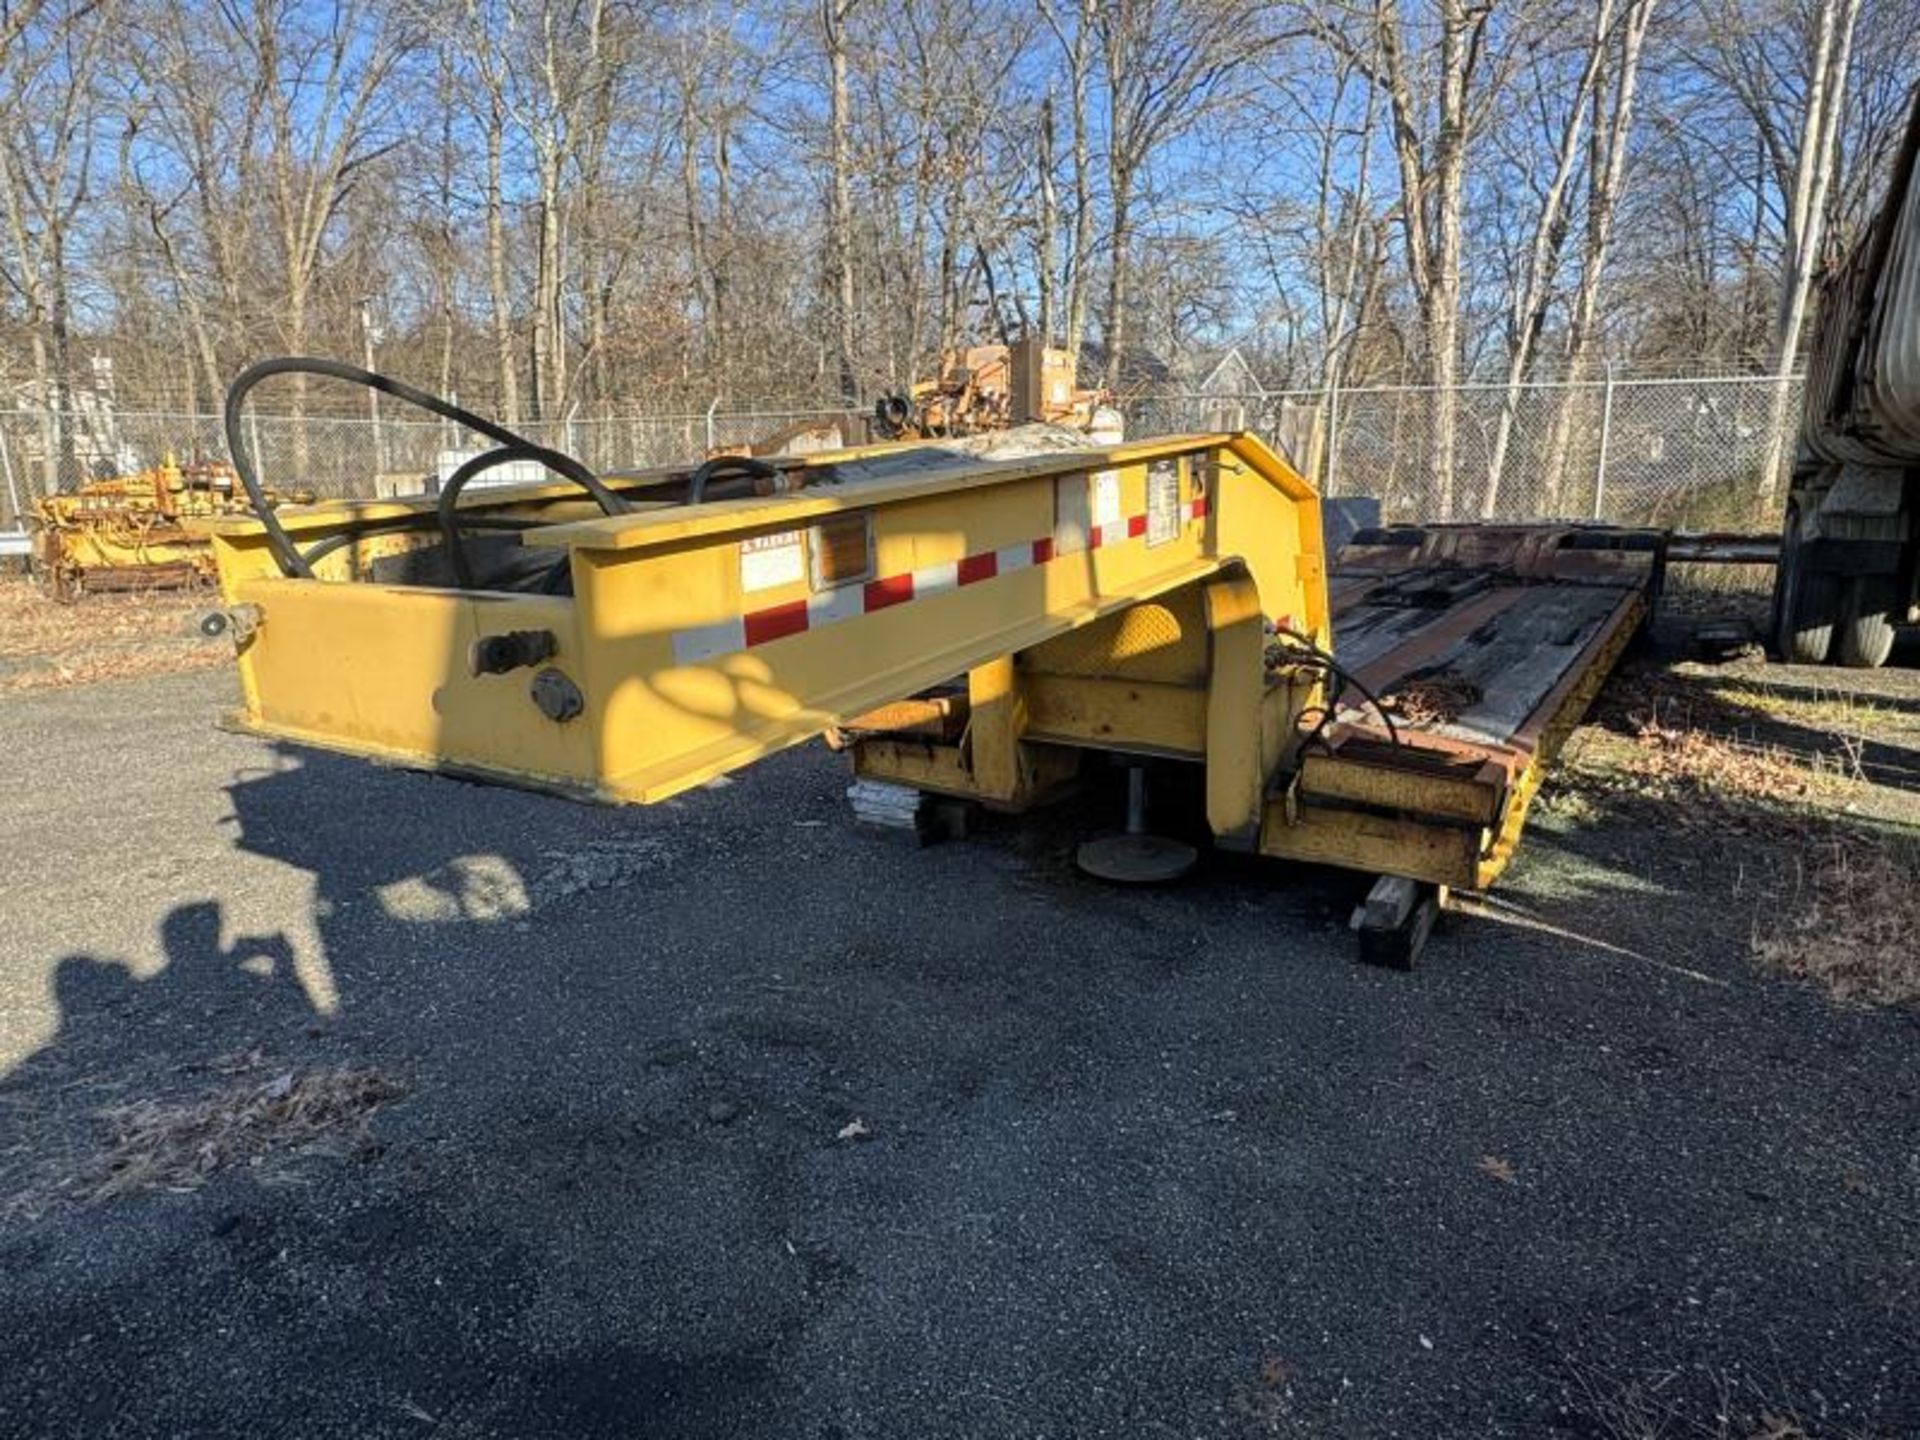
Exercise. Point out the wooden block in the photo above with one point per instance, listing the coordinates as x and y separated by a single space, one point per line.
1394 921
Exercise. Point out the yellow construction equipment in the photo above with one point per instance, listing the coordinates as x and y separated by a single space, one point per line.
989 387
131 532
968 619
978 389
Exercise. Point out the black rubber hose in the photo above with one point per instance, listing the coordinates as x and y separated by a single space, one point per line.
291 561
315 554
722 465
447 509
1333 667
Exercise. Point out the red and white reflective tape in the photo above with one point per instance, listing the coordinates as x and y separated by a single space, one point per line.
847 602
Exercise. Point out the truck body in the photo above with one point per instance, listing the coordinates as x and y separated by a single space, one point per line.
1849 571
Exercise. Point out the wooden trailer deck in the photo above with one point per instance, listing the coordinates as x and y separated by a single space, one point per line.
1484 645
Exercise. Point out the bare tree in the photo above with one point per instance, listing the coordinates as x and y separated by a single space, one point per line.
1815 159
834 15
1612 102
49 110
1617 31
1437 96
1073 30
1164 62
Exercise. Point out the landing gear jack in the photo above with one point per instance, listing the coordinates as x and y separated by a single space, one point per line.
1136 858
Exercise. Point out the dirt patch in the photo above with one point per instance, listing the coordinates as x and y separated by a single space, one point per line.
1693 779
1687 763
1802 782
44 645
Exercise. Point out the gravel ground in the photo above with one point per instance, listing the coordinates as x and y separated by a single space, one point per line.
1132 1163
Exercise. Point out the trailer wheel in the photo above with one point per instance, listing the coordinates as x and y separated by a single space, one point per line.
1805 602
1866 622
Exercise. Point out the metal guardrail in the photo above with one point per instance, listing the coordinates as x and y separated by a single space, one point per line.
15 543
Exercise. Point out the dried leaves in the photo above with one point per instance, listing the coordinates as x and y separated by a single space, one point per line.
1497 1168
1850 926
44 645
176 1144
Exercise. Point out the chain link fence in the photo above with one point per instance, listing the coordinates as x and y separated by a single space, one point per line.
338 458
1667 451
1686 452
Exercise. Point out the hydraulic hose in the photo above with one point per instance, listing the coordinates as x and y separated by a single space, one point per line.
1326 662
723 465
560 464
285 552
314 554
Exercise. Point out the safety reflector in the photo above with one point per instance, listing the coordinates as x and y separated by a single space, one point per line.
842 553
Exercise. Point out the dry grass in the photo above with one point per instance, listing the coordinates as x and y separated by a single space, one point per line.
1833 708
1674 762
1845 907
1686 1403
177 1144
1716 588
1850 925
1696 753
44 645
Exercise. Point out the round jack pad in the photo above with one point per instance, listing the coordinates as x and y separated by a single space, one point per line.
1136 859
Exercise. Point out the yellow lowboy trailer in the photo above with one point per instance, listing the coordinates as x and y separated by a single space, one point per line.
968 618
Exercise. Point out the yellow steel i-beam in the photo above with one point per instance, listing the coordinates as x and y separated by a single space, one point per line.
699 638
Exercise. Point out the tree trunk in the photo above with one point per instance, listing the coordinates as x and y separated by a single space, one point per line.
546 294
1082 256
62 349
833 14
1529 310
497 273
1606 169
1114 333
1049 238
1813 176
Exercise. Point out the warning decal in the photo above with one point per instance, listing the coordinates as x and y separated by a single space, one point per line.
770 561
1163 502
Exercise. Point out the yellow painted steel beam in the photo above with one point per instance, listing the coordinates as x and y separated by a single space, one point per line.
1383 844
700 638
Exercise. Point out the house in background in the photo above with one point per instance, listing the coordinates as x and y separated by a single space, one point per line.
1226 394
1225 389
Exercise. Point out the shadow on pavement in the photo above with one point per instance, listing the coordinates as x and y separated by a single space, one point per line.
727 1120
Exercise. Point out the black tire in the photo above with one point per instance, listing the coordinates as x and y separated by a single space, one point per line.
1805 603
1866 622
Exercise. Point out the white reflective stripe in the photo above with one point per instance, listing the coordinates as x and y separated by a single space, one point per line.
936 579
846 602
703 642
841 603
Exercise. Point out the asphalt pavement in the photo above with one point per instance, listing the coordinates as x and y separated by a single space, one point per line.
724 1118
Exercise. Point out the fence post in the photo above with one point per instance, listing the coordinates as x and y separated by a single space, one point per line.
13 490
1333 434
710 410
1606 434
